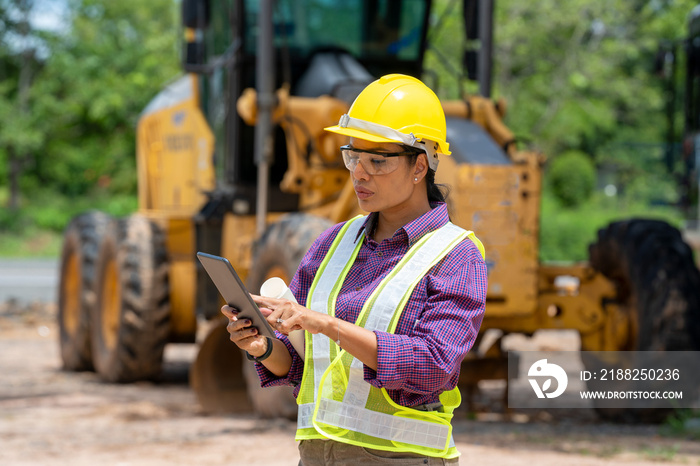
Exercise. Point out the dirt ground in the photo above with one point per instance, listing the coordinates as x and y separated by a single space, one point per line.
48 416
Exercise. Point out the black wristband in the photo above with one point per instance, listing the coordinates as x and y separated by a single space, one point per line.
267 354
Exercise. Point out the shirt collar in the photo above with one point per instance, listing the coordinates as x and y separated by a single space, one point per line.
415 229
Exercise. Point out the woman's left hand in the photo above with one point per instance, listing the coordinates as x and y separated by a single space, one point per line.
286 316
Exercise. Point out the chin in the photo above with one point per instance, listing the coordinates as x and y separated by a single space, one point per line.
367 205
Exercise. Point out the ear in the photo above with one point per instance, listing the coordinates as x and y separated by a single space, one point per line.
420 169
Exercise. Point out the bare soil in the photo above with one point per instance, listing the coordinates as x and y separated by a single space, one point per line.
48 416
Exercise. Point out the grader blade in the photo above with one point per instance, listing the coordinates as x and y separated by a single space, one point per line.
225 382
217 376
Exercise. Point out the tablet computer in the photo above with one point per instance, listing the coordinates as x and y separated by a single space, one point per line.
234 292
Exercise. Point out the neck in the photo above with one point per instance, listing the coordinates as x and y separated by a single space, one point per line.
390 220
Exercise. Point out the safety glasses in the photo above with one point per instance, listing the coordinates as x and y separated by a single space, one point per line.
374 162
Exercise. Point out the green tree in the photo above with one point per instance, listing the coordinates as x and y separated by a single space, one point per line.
572 178
69 113
97 79
579 73
576 74
18 137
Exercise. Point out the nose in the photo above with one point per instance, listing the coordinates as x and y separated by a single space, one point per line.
359 172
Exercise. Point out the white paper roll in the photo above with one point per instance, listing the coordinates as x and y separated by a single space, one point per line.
276 288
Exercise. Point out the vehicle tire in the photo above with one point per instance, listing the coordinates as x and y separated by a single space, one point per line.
657 282
131 321
278 254
77 287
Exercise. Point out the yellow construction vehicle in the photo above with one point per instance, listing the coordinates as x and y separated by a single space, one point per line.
233 160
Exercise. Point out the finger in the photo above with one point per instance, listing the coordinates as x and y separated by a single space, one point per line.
273 316
265 301
288 325
283 322
248 342
238 325
229 311
296 327
240 337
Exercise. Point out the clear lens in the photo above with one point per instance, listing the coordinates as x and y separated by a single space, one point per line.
373 164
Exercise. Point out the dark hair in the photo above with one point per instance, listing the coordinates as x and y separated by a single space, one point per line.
436 192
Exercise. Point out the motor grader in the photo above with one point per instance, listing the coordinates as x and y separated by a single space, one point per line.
233 160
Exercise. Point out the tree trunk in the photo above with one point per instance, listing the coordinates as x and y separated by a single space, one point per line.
17 156
15 172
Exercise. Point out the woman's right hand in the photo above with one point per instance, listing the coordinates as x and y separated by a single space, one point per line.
242 334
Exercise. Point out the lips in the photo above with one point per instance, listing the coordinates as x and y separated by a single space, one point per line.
362 193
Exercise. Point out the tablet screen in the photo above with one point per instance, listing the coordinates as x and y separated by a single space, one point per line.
234 292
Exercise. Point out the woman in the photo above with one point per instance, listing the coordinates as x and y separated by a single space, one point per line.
393 301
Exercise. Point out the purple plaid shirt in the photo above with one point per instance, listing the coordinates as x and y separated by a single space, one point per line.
437 328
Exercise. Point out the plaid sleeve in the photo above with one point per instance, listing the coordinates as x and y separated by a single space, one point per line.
299 286
428 358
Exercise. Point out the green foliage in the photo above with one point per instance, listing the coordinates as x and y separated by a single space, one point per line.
87 94
32 242
640 171
593 66
683 423
36 229
576 74
93 86
566 233
49 211
70 119
443 58
572 178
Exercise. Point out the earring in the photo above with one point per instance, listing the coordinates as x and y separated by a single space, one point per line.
415 179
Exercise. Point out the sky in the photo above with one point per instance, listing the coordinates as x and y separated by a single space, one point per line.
46 15
49 15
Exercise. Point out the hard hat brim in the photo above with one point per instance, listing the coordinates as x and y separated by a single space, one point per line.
356 133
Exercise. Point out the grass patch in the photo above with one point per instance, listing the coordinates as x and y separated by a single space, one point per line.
609 451
35 243
566 233
679 424
36 229
663 453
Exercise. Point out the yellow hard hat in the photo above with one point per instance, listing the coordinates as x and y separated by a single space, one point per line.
400 109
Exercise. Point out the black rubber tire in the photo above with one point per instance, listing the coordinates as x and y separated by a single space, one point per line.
281 248
77 287
131 349
283 245
656 279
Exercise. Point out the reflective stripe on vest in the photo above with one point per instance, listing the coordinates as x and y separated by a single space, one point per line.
357 417
321 298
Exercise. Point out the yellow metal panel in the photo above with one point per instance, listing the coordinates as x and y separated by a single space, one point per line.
239 236
175 159
237 241
183 279
588 307
500 203
183 276
180 238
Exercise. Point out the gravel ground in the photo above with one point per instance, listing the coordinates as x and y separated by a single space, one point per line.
48 416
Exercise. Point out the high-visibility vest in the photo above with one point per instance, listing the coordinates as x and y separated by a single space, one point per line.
335 402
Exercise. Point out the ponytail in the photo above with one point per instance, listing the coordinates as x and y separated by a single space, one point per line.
436 192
